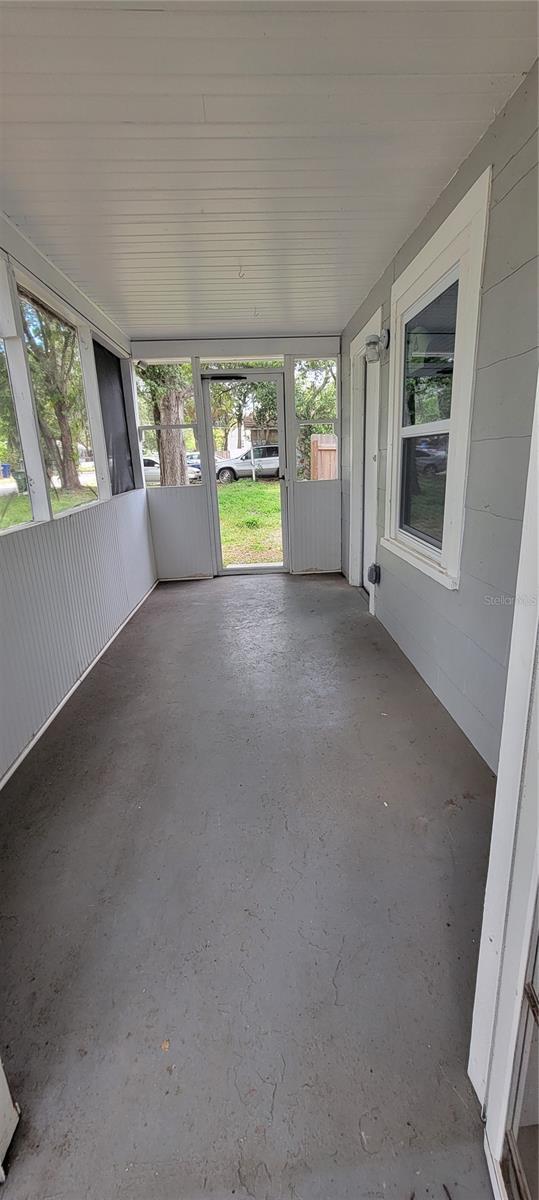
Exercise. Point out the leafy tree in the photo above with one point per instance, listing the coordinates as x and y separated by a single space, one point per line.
232 400
166 398
315 392
315 388
10 450
55 367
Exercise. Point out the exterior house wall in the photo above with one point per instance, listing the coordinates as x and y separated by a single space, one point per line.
459 640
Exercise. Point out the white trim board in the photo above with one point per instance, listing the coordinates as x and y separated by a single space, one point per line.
513 865
300 347
510 769
20 757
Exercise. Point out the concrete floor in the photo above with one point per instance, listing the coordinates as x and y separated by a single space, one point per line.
242 879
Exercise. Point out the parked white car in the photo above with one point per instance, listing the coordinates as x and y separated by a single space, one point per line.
152 470
264 458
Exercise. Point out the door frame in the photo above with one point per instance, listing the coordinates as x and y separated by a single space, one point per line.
513 872
364 387
257 375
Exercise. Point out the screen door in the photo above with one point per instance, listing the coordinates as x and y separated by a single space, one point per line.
244 416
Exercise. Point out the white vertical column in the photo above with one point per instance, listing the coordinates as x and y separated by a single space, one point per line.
291 433
207 461
12 332
93 407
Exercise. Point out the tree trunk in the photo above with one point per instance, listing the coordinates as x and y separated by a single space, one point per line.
172 460
69 453
53 461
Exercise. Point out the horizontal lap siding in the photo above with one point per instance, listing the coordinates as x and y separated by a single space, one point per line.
459 641
65 588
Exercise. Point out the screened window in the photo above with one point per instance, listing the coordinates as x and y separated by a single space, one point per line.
167 429
111 395
15 505
429 352
55 367
315 399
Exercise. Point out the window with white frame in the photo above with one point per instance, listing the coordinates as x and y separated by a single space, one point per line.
435 314
167 425
54 361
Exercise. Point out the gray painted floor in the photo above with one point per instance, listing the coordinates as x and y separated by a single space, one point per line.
243 876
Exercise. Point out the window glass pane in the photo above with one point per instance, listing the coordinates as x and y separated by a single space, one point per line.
111 395
165 394
55 367
429 347
316 452
15 506
170 457
424 468
315 389
166 397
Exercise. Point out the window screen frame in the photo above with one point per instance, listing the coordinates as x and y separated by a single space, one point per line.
456 251
298 423
168 425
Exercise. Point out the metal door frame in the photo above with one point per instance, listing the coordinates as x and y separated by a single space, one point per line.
207 450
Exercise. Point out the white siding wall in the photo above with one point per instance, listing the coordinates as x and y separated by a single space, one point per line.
459 641
66 586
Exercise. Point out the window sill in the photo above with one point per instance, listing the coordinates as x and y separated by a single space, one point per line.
422 562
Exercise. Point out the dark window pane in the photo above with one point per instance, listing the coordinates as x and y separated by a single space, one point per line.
429 347
111 395
424 469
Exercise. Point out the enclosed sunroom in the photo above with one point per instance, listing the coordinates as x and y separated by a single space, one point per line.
268 600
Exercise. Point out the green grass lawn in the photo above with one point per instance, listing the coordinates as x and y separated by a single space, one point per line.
250 522
16 509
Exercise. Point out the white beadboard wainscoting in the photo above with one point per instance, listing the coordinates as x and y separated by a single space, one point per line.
180 525
66 587
315 520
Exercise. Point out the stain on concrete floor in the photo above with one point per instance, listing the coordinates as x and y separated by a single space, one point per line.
242 887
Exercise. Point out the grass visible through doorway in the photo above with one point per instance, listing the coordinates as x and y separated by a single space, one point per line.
250 522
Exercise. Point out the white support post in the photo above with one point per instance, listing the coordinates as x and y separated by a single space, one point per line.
23 396
93 407
290 434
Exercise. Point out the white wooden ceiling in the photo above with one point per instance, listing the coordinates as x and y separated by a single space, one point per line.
204 170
